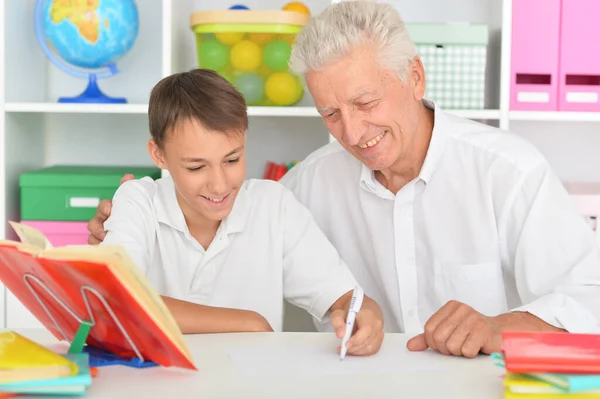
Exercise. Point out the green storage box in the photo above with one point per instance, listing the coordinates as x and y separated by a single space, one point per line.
72 193
454 56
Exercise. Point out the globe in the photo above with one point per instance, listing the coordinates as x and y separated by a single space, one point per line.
85 38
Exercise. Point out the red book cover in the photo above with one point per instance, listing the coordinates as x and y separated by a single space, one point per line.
280 172
54 285
268 169
551 352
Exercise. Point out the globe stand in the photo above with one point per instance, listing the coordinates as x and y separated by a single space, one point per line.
92 94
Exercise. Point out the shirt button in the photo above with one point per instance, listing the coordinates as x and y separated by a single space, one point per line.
411 313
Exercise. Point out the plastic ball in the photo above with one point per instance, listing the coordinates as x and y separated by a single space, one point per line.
246 56
296 6
283 88
238 7
229 38
252 87
276 55
213 55
260 38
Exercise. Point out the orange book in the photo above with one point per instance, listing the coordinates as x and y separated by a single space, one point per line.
65 285
551 352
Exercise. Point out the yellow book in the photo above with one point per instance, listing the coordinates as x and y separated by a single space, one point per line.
523 386
22 359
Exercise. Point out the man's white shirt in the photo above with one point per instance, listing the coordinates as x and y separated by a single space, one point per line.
486 223
269 248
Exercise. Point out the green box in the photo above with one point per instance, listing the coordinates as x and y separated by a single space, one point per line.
454 56
72 193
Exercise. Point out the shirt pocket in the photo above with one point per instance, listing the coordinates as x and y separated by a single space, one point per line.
479 285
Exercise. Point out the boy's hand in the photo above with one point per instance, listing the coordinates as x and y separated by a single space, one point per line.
367 336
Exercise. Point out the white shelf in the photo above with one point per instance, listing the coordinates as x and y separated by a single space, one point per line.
550 116
65 108
283 111
477 114
77 108
140 109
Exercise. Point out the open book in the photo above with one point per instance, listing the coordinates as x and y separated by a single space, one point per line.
64 286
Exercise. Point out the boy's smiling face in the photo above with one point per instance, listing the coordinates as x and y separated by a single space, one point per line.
207 167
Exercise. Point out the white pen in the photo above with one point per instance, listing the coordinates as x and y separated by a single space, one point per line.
355 305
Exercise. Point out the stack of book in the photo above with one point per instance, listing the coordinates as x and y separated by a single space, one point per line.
542 365
29 368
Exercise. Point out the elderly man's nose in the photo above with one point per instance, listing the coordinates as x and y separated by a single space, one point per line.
353 130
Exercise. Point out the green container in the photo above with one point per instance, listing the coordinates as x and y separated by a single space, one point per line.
454 56
72 193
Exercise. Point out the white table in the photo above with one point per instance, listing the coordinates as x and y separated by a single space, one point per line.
219 377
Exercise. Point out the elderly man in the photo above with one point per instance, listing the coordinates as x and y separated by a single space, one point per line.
457 229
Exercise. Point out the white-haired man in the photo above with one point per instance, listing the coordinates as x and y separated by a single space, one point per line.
457 229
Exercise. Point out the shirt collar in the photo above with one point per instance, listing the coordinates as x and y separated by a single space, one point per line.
169 213
437 142
434 153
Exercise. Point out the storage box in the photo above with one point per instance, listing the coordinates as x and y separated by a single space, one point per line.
251 49
535 55
72 193
454 56
61 233
579 88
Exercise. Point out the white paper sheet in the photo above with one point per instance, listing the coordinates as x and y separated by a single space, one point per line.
307 361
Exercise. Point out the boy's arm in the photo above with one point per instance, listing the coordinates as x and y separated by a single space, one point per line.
193 318
317 280
132 226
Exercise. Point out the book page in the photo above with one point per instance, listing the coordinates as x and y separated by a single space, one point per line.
308 359
31 236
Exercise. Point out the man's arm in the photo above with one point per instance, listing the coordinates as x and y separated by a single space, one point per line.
96 224
553 255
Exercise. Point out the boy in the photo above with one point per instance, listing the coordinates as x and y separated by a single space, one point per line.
223 252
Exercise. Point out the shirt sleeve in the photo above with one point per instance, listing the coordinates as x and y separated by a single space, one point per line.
555 257
314 275
129 224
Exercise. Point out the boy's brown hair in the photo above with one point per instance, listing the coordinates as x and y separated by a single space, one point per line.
200 94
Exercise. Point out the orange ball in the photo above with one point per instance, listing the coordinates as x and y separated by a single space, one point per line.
296 6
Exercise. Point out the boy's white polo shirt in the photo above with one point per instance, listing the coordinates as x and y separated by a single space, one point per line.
267 249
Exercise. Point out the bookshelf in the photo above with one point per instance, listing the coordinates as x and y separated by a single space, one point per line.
36 131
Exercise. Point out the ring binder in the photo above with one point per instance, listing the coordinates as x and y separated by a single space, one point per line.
84 290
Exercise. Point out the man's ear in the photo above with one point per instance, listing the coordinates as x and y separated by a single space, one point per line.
157 154
417 78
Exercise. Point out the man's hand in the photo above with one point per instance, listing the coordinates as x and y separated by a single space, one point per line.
457 329
367 336
96 225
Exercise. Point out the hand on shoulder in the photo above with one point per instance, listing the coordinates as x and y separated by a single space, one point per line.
96 224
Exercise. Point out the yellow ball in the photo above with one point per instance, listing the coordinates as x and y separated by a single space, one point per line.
229 38
283 89
296 6
246 56
260 38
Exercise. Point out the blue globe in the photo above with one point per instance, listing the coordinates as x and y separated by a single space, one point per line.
87 34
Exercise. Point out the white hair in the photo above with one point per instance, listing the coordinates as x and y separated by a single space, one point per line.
339 29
